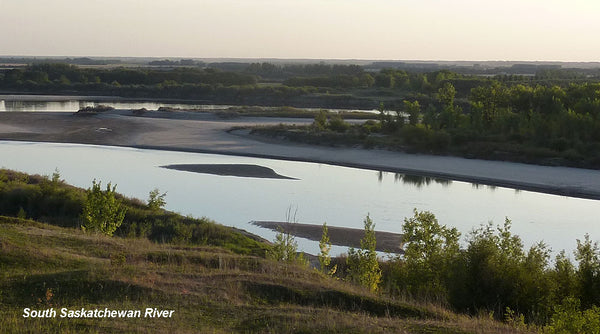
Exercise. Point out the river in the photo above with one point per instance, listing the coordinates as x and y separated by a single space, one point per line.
320 193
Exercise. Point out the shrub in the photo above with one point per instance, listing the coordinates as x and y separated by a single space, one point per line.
102 211
285 249
156 200
363 267
325 248
337 123
568 318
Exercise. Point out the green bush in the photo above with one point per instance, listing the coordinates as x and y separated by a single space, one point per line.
569 319
102 211
430 253
363 266
337 123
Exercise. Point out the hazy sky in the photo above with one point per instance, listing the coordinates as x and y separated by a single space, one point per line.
565 30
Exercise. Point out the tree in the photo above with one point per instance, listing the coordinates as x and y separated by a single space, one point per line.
429 252
325 248
413 109
490 98
102 211
588 273
363 267
446 95
450 112
285 247
156 200
564 276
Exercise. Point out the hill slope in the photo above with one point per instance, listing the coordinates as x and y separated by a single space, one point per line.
210 289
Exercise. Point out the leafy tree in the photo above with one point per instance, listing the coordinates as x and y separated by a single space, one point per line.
446 95
285 247
325 248
429 253
588 273
363 267
156 200
565 277
102 211
490 98
450 112
500 274
413 109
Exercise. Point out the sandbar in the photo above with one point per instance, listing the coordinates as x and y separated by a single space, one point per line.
341 236
238 170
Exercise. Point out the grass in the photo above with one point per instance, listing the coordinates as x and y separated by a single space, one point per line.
211 289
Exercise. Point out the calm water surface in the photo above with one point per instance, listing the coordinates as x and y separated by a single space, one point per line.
339 196
51 103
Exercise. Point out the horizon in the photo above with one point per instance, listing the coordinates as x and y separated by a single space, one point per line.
430 30
291 59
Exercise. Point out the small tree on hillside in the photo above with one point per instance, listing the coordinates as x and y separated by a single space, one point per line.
363 267
156 200
325 248
285 247
102 211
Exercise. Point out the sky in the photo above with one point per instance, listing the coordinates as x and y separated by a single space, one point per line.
512 30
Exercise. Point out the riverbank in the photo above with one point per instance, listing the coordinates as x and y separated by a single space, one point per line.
207 133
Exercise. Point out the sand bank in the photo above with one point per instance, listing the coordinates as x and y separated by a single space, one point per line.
341 236
239 170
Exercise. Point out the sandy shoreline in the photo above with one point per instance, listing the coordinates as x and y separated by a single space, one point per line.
207 133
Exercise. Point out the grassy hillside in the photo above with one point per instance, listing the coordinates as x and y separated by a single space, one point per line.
214 278
211 290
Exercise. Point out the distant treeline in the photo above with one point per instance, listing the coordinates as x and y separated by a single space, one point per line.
192 83
73 61
508 104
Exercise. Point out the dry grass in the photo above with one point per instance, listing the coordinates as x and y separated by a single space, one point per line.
211 290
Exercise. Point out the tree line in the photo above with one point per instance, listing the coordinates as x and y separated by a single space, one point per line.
492 273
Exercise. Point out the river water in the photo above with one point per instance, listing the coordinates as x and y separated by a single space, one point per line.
54 103
321 193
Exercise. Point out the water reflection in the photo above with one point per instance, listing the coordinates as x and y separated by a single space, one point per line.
20 103
486 186
415 180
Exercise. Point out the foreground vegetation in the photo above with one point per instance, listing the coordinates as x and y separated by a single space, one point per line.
56 251
216 279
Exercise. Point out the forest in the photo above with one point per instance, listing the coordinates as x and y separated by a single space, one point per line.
552 117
